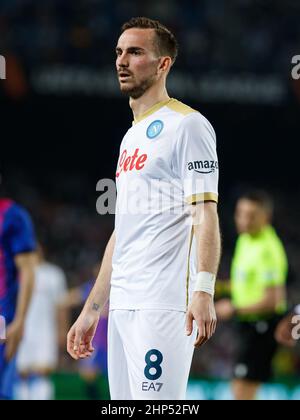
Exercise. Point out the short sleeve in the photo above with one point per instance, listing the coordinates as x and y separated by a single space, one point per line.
195 159
21 232
274 267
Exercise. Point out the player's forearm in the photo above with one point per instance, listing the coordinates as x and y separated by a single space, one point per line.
268 304
100 292
26 269
63 321
263 307
208 239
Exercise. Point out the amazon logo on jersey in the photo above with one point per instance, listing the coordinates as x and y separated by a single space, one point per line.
203 166
131 162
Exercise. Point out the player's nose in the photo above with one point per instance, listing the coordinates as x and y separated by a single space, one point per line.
122 61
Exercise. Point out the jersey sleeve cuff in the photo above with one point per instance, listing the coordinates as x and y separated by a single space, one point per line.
203 197
24 250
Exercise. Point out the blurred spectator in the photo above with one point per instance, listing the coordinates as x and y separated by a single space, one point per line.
258 280
45 330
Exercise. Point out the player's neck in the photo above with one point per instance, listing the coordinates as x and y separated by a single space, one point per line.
150 98
258 232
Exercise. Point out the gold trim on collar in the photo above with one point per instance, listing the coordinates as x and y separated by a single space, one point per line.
180 107
151 110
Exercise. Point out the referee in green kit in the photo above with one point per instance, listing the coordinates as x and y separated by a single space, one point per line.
258 278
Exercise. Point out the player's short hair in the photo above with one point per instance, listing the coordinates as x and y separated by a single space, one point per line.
260 197
165 40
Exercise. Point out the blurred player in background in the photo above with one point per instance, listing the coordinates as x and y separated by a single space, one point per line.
91 368
258 278
45 328
289 326
17 247
146 267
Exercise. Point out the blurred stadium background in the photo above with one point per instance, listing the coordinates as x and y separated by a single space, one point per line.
62 119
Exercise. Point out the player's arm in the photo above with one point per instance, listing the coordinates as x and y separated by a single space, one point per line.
289 326
273 297
63 324
79 340
207 234
195 163
273 273
25 264
59 295
72 299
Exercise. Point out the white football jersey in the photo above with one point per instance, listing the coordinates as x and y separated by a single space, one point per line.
168 160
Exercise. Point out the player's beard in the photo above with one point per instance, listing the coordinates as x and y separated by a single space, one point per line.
138 90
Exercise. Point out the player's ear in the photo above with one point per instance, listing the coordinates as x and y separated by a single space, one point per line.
165 64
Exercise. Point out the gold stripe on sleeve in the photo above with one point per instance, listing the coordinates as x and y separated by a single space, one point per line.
188 267
198 198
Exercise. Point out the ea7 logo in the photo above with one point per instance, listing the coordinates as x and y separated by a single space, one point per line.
2 67
203 166
151 386
296 69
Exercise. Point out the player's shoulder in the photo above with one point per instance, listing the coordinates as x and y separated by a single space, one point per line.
16 213
54 269
55 274
189 118
16 208
271 236
6 207
180 109
243 241
271 248
273 241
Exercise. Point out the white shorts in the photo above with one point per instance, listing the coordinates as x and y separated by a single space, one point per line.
149 354
37 353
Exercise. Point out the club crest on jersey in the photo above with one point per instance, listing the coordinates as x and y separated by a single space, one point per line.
154 129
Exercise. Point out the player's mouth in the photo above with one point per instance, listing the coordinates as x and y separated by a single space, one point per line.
123 76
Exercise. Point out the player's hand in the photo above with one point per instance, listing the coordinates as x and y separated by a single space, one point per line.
80 336
225 310
283 332
201 310
14 335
